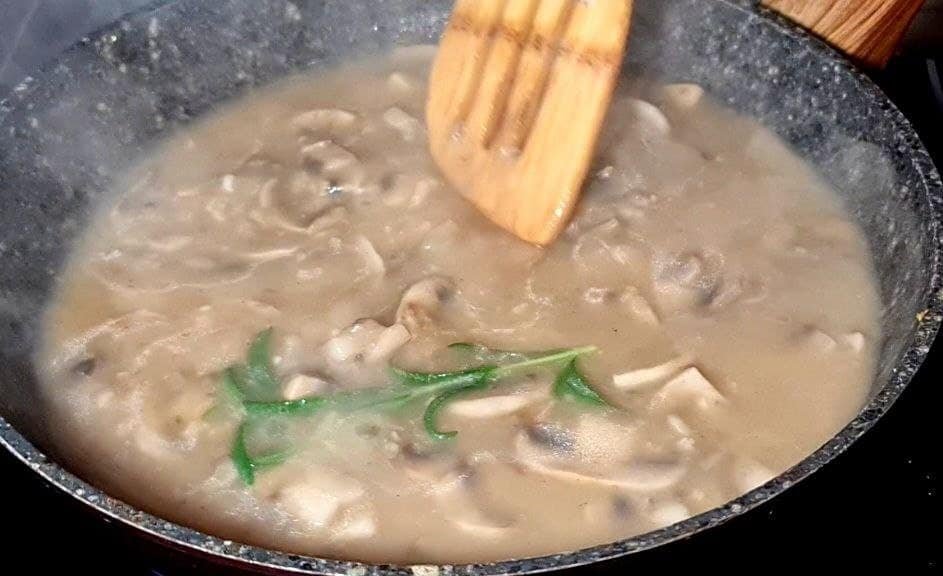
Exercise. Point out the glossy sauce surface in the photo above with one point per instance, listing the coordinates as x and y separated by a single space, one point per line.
730 297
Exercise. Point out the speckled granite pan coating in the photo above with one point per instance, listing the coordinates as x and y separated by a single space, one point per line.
67 131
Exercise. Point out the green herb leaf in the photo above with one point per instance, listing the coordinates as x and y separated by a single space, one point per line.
260 379
240 457
300 407
431 415
229 399
270 460
571 383
441 379
232 390
550 358
251 388
245 464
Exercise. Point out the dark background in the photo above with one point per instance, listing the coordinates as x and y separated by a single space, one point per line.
875 506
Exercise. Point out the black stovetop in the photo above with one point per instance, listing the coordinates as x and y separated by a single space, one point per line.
875 505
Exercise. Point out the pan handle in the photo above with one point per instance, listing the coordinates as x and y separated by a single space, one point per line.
868 31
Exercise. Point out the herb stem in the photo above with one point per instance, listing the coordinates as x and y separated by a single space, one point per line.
563 355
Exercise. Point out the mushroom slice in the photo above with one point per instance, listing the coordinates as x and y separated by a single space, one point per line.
421 301
650 116
643 377
650 475
639 306
302 386
388 342
682 96
854 340
689 385
400 84
816 341
494 406
668 513
442 470
355 523
333 120
317 496
374 262
153 444
687 281
459 503
641 476
335 163
749 474
407 126
366 340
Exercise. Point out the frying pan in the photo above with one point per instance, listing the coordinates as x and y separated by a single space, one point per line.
66 132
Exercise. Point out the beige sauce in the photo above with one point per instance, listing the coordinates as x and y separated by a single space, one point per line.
730 297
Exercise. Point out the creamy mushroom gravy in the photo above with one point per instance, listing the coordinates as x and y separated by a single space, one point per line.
731 299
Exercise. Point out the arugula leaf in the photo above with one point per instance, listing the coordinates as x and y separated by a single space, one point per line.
431 415
571 383
553 357
270 460
232 390
260 379
457 378
302 406
240 456
252 386
245 464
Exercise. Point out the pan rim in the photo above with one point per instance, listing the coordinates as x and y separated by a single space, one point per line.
918 347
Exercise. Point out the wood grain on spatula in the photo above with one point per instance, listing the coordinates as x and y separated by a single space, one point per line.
868 31
518 94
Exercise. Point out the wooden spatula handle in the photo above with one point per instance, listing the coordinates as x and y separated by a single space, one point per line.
866 30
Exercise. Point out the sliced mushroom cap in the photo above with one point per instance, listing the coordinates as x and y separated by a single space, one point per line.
650 475
325 120
854 340
421 302
316 496
737 289
494 406
400 84
355 523
407 126
668 513
608 510
335 163
388 342
690 386
632 300
439 468
154 444
644 377
298 202
303 386
224 475
373 262
358 354
687 281
468 511
640 475
478 524
651 119
816 341
749 474
682 96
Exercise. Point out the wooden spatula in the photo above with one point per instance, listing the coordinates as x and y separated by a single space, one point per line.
517 97
868 31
